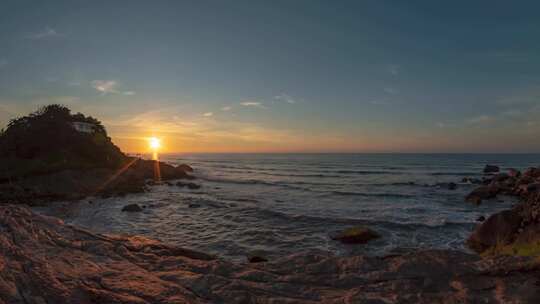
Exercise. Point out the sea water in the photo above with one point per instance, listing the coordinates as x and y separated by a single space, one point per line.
282 204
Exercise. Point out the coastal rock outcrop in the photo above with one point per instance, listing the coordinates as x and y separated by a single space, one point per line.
42 260
512 183
515 231
52 154
76 184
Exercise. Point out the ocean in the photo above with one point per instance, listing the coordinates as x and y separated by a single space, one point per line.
281 204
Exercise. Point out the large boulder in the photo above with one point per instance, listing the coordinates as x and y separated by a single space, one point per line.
481 193
491 169
499 229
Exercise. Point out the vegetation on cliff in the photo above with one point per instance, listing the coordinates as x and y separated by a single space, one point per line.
47 141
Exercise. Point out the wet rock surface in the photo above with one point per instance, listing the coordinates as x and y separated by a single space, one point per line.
356 235
42 260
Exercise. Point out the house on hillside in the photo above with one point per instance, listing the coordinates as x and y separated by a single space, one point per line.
83 127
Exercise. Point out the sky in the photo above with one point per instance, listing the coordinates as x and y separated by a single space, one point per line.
282 76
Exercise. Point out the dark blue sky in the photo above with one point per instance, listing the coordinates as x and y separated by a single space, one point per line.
409 76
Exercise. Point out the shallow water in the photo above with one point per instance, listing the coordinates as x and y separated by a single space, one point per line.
289 203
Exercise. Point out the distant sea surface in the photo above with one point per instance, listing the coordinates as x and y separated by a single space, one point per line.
290 203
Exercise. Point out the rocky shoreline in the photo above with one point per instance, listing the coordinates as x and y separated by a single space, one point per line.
514 231
132 177
43 260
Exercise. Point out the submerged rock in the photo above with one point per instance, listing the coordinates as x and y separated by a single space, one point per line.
491 169
356 235
132 208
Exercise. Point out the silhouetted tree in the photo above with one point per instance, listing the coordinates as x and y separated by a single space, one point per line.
48 135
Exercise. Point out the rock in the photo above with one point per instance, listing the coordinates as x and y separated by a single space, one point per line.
43 260
452 186
185 168
356 235
500 177
191 186
498 229
514 173
193 205
533 188
532 173
491 169
257 256
132 208
257 259
481 193
481 218
471 180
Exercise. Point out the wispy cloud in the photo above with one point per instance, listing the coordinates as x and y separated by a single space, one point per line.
286 98
480 119
208 114
109 87
253 104
227 108
105 86
46 33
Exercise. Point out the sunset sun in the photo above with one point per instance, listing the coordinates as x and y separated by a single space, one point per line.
154 143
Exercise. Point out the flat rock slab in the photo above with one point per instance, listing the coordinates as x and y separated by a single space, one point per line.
43 260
